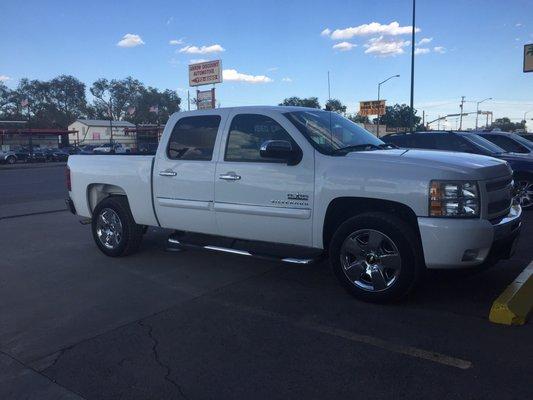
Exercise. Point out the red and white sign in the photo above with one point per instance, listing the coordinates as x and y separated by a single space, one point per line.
205 73
205 100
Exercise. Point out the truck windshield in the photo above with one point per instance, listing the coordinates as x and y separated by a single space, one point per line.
330 133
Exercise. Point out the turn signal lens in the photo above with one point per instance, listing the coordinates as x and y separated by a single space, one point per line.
453 199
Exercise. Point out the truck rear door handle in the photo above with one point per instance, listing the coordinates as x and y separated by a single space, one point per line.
168 172
230 176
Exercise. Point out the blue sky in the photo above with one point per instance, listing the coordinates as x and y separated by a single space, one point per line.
278 48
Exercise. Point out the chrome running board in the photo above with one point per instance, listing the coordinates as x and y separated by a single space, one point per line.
175 244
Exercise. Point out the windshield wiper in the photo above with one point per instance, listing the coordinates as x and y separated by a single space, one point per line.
356 147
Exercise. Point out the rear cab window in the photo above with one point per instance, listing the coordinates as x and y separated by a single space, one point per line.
193 138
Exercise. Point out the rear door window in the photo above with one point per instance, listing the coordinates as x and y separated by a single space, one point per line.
506 143
193 138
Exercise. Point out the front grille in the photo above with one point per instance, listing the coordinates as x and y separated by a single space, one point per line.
500 196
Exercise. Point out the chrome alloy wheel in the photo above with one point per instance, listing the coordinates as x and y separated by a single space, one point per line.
524 193
109 228
370 260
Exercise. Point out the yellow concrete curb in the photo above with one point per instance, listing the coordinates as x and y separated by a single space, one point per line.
515 303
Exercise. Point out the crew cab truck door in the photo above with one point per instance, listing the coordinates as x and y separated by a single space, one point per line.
184 171
258 198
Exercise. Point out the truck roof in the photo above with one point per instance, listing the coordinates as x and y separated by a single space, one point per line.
258 108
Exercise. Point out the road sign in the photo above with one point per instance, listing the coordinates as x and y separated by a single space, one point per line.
205 100
372 107
528 57
205 73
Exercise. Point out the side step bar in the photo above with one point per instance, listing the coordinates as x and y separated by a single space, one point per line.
175 244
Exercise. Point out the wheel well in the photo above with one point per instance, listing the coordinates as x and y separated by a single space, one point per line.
523 175
342 208
96 192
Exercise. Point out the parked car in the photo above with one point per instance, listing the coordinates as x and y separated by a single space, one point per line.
508 141
116 148
22 153
56 155
527 136
302 182
469 142
8 157
37 156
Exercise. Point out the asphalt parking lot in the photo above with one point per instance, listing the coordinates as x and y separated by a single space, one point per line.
192 325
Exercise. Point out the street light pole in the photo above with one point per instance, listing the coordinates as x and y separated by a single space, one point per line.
379 89
477 108
412 113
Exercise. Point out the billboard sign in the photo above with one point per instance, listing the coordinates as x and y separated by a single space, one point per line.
372 107
205 73
205 100
528 57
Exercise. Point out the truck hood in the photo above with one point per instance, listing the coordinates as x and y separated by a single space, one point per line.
441 164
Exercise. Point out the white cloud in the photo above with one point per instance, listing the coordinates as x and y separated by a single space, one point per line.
519 24
170 20
344 46
286 79
130 40
271 69
4 78
421 50
197 60
439 49
175 42
215 48
385 48
424 41
374 28
233 75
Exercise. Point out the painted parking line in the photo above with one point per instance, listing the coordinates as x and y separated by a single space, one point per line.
355 337
516 302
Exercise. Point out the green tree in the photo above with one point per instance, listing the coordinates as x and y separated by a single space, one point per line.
362 119
335 105
311 102
65 97
114 97
167 102
505 124
397 116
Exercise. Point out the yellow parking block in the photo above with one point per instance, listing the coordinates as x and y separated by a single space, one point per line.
515 303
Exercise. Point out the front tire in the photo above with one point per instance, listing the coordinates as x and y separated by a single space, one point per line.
114 230
11 160
376 257
524 192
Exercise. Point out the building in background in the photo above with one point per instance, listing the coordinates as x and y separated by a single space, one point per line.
97 132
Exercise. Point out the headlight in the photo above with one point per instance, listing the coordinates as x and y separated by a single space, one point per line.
453 199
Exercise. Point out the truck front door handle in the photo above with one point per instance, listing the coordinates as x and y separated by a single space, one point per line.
168 172
230 176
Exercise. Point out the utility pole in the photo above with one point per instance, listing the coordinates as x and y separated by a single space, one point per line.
461 115
188 100
438 123
329 89
424 119
412 113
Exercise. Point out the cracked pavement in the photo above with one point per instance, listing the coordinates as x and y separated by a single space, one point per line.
161 325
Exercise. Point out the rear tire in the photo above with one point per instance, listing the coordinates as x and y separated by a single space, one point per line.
114 230
11 160
376 257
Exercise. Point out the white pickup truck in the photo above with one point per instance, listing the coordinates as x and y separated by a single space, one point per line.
292 183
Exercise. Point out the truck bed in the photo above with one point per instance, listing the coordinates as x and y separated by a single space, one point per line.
132 175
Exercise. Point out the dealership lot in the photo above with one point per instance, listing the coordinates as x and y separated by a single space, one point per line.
159 324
